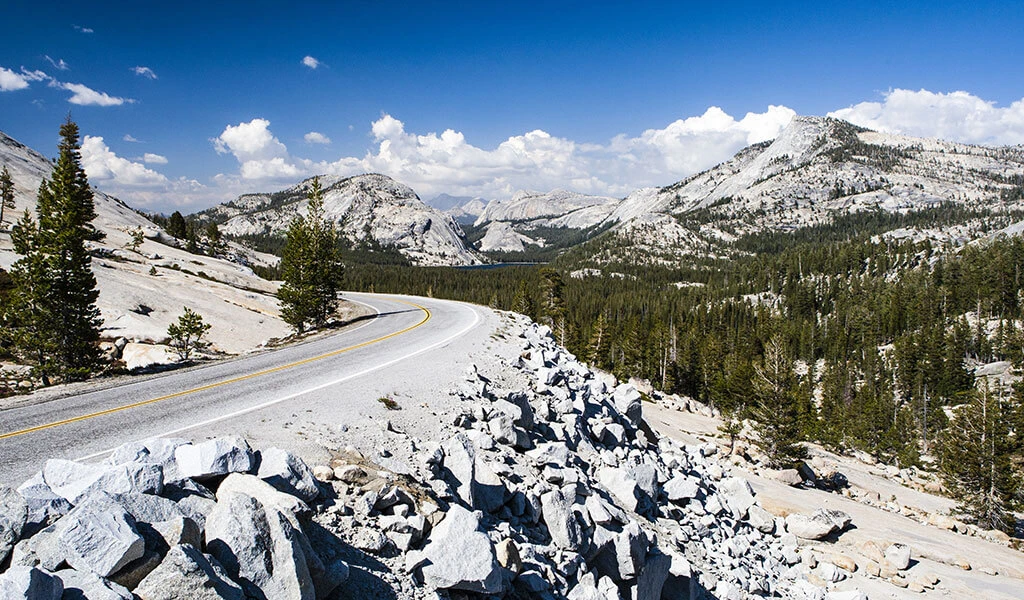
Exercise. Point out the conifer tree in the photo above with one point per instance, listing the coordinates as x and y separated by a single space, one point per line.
176 226
977 461
6 193
53 320
775 412
187 334
311 267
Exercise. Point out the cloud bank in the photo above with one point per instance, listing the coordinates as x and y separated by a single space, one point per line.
955 116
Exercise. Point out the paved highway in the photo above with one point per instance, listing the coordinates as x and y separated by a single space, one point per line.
323 376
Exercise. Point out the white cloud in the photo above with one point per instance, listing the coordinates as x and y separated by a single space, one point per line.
315 137
11 81
103 166
130 138
144 72
81 29
955 116
311 62
86 96
261 155
59 64
35 75
154 159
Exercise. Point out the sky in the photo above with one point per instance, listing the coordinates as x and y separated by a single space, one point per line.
183 105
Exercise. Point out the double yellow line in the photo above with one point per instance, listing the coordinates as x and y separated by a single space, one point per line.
305 361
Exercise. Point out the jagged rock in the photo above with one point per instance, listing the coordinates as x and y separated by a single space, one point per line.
790 477
507 555
99 537
323 473
474 482
818 525
681 488
134 572
627 401
186 574
598 510
556 510
898 556
13 516
179 530
738 494
76 481
458 556
158 451
214 458
349 473
44 506
621 484
653 575
258 547
288 473
249 485
80 585
29 583
760 519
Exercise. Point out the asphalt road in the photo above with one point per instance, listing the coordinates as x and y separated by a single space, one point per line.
232 396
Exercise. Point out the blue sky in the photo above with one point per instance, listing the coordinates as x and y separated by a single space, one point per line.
599 97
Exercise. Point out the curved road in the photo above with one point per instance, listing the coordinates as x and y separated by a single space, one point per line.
230 396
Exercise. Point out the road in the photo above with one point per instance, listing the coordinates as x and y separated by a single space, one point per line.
328 378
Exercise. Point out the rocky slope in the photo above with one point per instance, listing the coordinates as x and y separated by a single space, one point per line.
365 207
142 291
464 209
528 218
546 483
817 170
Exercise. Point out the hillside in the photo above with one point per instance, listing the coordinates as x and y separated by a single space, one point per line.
143 291
369 209
817 171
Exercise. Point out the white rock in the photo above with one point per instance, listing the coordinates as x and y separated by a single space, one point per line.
460 556
85 585
214 458
556 510
621 484
98 538
682 487
898 556
13 516
185 573
287 473
29 583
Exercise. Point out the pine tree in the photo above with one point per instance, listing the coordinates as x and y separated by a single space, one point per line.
53 315
6 193
598 345
187 334
976 461
176 226
775 411
311 267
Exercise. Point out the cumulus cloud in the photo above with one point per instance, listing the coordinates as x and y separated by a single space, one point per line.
81 29
58 64
83 95
311 62
955 116
262 156
101 164
154 159
315 137
432 163
144 72
11 81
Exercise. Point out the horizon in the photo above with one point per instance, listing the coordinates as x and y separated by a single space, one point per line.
182 109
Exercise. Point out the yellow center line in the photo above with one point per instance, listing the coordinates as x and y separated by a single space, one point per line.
218 384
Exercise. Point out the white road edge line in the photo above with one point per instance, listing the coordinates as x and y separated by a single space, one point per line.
463 331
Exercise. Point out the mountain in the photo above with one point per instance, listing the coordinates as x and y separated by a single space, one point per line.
464 209
143 291
370 209
558 208
816 173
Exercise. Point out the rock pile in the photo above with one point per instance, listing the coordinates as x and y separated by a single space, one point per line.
550 485
167 519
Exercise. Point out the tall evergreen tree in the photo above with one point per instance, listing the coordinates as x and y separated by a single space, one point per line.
977 461
176 226
6 193
53 319
311 267
775 411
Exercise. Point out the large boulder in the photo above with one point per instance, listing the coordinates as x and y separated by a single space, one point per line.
99 537
29 583
159 451
80 585
76 482
287 473
214 458
44 506
458 556
186 574
471 478
622 485
817 526
556 510
738 495
259 547
627 401
682 488
13 515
